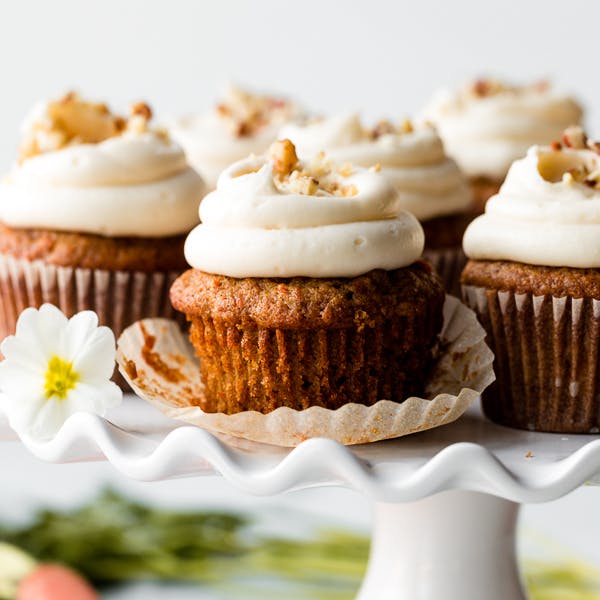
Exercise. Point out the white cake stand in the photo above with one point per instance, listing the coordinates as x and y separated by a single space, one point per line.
446 500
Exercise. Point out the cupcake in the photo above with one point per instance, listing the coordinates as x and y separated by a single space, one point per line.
241 124
533 277
94 214
412 156
306 288
488 124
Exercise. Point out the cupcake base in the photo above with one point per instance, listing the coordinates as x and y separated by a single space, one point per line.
543 325
443 248
300 342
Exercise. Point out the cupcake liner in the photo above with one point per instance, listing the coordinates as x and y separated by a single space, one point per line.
449 264
547 359
118 297
158 362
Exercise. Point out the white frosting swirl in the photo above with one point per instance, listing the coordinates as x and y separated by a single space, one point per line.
252 229
429 183
486 134
136 184
210 147
539 217
244 123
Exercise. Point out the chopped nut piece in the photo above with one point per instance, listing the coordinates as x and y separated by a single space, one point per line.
141 109
383 127
406 126
346 170
555 146
283 156
349 190
245 114
376 168
574 137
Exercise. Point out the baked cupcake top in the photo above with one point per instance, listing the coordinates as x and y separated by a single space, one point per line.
241 124
278 216
84 169
410 154
548 210
488 124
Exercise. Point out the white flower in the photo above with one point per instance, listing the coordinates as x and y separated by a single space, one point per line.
55 367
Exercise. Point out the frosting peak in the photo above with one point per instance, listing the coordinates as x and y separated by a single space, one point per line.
411 155
487 124
279 216
548 210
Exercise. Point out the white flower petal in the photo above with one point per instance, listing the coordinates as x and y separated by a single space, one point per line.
17 352
20 383
22 414
96 361
77 334
48 419
42 328
100 397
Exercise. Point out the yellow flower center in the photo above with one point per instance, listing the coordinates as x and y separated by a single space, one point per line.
60 378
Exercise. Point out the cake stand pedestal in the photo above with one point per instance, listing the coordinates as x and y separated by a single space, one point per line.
446 500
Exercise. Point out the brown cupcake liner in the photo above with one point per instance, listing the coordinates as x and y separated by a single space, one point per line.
263 368
119 298
449 264
546 359
483 189
158 361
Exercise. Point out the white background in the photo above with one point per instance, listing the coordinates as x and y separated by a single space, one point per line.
382 57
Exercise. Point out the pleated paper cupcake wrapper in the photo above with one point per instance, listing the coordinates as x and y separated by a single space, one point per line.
448 263
157 360
119 298
547 359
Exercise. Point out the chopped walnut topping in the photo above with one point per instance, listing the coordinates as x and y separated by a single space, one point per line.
245 114
317 178
556 146
70 121
141 109
346 170
283 156
574 137
349 190
385 127
577 163
487 87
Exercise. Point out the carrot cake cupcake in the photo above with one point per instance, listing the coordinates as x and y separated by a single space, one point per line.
412 156
94 214
534 279
307 288
241 124
488 124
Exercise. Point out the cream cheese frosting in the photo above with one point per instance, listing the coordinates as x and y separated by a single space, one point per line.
412 156
487 125
133 183
242 124
314 220
546 213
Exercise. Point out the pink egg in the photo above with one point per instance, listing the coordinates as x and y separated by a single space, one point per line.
53 582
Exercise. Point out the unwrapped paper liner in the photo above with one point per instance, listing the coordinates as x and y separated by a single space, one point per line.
159 363
448 264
